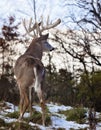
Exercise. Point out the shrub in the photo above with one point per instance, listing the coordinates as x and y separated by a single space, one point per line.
2 122
37 118
14 114
77 114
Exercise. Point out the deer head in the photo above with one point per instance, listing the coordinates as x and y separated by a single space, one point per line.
38 28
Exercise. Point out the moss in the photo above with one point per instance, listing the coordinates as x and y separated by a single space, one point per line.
75 114
2 122
21 126
64 112
48 120
61 129
79 129
37 118
15 114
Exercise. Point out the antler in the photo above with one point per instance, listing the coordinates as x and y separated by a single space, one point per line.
30 27
38 28
52 25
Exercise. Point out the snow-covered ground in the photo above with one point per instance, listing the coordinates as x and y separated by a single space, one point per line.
58 120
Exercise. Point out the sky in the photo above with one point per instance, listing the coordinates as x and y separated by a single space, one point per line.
24 9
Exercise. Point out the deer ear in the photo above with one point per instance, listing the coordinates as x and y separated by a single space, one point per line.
45 37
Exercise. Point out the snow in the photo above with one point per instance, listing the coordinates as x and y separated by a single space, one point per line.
54 108
37 108
11 107
58 120
9 120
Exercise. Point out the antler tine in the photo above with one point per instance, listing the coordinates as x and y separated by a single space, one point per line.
24 24
33 27
30 22
29 29
26 29
48 20
51 25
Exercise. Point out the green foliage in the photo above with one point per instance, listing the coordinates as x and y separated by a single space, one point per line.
2 122
21 126
16 126
89 90
76 114
59 86
60 129
14 114
37 118
79 129
8 90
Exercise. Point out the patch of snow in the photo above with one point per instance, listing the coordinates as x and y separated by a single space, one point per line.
55 108
10 120
41 127
7 119
27 114
98 126
11 108
37 108
58 122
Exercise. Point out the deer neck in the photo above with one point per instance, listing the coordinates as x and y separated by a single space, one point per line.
34 50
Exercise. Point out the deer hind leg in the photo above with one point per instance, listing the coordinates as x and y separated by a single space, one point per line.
30 100
42 103
21 106
38 90
24 103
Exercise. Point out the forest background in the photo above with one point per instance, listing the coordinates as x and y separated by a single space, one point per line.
76 80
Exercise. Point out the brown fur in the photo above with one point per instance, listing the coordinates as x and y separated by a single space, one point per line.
26 76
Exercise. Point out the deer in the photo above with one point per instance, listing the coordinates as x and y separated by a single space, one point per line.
29 69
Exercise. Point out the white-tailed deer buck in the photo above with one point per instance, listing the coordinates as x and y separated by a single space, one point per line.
29 69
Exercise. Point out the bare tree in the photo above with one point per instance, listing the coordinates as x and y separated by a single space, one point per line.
84 44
